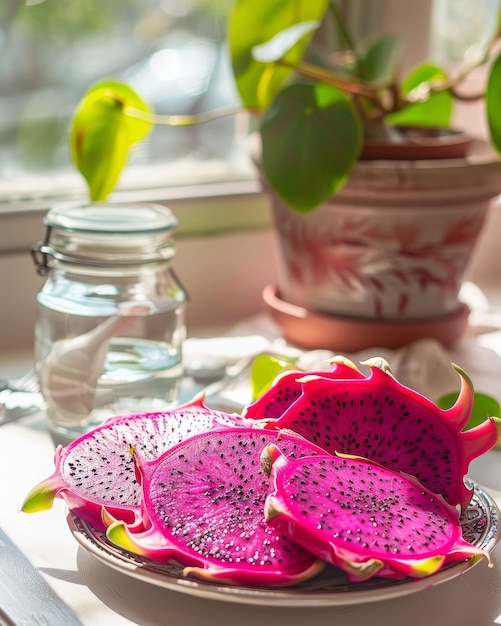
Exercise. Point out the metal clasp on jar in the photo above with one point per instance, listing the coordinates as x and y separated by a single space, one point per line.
40 253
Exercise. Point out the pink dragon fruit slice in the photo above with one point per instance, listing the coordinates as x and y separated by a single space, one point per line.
204 503
286 389
97 469
362 517
379 418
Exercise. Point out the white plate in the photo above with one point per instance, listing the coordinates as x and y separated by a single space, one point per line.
480 525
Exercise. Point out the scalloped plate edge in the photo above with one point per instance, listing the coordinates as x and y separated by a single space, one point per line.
303 595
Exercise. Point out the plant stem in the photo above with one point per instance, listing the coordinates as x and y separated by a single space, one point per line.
346 84
342 29
182 120
453 83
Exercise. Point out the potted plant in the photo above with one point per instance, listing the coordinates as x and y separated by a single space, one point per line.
386 273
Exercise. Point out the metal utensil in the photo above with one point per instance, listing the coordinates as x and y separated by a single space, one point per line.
27 383
25 595
19 398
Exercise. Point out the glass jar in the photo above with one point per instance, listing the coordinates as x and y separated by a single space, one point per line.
110 323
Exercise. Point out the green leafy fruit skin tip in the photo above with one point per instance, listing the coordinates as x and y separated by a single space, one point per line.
97 469
41 496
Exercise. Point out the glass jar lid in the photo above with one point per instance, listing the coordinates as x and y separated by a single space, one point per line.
106 235
111 218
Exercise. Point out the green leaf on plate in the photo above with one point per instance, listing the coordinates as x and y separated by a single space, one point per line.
484 406
265 368
492 99
102 134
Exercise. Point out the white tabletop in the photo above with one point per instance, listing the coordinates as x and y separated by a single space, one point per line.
100 595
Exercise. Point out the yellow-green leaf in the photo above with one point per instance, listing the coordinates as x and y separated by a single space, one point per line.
106 123
255 23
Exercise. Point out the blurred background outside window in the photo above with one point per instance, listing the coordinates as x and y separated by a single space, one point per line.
173 53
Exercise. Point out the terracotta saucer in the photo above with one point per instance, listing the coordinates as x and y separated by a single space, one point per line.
313 330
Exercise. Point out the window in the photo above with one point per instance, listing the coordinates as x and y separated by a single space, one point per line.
460 29
171 51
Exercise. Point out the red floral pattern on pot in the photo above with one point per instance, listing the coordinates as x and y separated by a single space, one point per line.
394 243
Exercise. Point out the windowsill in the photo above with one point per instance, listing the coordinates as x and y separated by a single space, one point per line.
202 210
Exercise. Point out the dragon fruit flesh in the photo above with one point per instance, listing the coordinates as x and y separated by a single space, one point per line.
204 502
362 517
97 469
286 388
379 418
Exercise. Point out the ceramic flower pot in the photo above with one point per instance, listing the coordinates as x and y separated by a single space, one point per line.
391 247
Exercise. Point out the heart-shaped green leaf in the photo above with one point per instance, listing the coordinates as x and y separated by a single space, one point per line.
311 137
435 111
254 23
277 47
102 132
380 62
